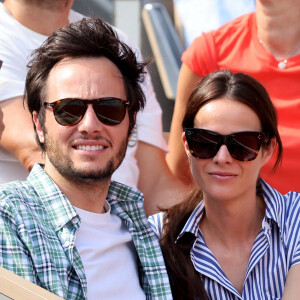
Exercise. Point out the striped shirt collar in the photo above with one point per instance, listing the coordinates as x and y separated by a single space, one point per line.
271 213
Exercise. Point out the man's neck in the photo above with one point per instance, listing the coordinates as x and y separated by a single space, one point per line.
38 18
88 195
278 27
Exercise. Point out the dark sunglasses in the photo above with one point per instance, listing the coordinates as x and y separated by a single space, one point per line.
243 146
70 111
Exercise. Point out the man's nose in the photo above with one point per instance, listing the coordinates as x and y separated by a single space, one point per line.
90 122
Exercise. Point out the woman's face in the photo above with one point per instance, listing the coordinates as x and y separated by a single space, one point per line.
223 177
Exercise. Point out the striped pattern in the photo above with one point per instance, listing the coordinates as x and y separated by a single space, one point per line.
38 228
275 250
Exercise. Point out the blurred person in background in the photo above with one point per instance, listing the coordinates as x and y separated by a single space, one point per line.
24 26
266 45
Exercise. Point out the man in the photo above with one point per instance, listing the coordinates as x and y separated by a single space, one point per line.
24 26
69 228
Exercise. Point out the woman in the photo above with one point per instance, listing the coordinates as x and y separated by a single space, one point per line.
234 233
265 45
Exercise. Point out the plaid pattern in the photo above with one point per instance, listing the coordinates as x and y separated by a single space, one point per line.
38 227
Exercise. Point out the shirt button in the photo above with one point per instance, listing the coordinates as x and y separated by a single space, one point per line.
75 220
267 226
66 244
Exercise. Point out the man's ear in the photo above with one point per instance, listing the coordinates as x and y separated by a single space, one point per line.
38 127
268 152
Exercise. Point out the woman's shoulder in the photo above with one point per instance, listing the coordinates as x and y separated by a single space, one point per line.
284 209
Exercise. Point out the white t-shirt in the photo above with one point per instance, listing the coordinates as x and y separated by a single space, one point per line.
16 44
109 257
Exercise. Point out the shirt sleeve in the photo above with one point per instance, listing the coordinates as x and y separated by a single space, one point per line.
200 56
14 257
293 238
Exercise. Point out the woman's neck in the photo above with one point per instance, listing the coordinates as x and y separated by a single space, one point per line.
233 222
278 27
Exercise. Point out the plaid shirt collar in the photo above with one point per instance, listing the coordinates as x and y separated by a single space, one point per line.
58 207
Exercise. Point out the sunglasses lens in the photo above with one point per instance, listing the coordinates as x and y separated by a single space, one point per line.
110 111
202 144
244 146
69 112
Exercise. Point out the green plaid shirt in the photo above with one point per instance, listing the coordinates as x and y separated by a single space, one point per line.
38 227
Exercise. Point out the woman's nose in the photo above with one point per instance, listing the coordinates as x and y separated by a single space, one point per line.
223 155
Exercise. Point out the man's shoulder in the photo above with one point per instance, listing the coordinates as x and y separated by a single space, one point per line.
16 187
27 191
18 201
17 191
75 16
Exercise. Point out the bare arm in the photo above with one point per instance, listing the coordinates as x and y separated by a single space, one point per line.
292 284
16 132
176 158
159 186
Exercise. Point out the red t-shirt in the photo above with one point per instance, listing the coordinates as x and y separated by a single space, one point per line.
235 46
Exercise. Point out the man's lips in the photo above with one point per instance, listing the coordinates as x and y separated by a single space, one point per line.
89 147
91 144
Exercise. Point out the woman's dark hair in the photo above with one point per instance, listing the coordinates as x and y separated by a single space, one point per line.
90 37
185 280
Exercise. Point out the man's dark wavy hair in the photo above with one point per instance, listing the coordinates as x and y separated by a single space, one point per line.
93 38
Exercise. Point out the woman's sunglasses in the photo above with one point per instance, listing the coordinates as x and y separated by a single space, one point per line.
70 111
243 146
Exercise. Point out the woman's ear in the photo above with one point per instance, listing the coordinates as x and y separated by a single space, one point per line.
268 152
38 127
185 144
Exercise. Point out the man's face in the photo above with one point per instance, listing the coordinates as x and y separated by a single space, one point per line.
89 151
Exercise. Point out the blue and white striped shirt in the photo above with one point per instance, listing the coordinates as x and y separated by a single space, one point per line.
275 250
